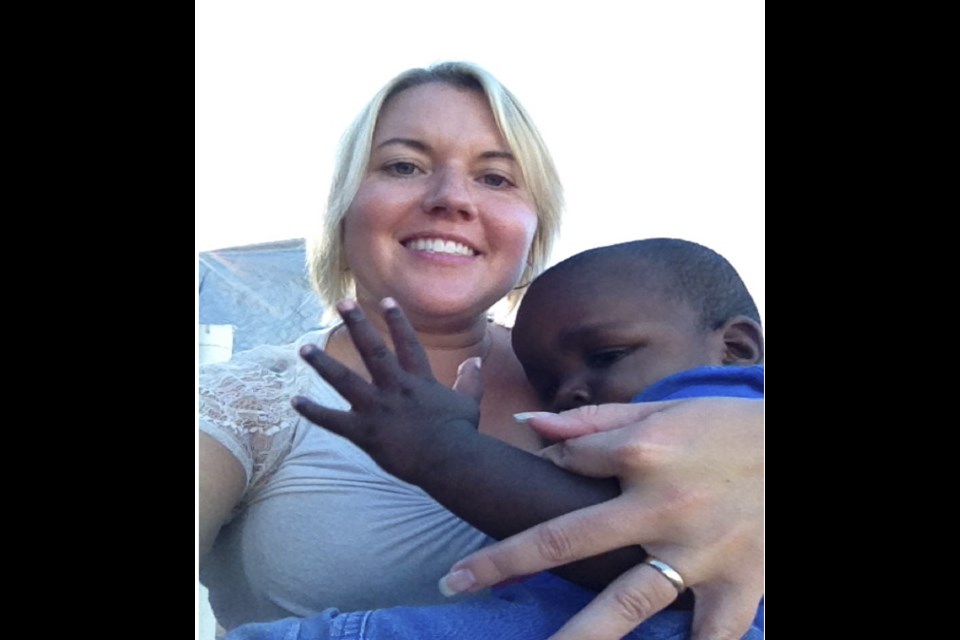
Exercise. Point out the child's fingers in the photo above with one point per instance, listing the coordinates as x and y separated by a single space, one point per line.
338 422
348 384
469 381
379 359
410 352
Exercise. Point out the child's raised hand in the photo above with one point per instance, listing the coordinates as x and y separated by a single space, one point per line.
398 411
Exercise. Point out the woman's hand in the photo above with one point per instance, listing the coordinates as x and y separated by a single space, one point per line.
395 418
691 472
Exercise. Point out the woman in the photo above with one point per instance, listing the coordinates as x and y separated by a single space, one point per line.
432 205
445 198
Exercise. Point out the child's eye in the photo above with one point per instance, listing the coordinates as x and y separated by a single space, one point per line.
607 357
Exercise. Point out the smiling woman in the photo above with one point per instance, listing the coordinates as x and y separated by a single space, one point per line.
424 155
437 152
277 493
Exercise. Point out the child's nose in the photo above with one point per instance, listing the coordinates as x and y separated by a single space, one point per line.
573 393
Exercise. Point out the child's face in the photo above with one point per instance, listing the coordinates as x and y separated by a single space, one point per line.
606 343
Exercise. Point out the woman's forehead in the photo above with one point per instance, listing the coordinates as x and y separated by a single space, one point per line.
438 110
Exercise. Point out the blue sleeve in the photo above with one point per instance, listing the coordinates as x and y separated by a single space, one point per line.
731 382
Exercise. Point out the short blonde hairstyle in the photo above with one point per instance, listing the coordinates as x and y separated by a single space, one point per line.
325 255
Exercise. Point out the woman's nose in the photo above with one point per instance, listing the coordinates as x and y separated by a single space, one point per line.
573 393
450 192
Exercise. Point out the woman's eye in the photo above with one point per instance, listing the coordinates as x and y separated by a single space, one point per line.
495 180
402 168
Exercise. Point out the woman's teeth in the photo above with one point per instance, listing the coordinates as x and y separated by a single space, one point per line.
435 245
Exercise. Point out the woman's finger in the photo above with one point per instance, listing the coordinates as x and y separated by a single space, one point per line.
724 613
590 418
593 455
567 538
626 602
409 351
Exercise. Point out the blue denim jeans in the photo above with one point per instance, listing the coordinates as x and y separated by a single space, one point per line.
529 610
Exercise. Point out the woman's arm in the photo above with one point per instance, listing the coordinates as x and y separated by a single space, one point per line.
425 433
692 476
221 482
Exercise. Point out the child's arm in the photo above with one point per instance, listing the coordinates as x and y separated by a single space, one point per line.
426 434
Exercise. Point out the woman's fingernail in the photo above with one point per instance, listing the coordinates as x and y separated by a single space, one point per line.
523 418
456 582
388 303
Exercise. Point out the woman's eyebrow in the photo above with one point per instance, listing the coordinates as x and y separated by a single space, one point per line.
407 142
419 145
502 155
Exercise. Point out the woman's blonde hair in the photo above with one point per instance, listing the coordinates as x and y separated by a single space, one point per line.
328 267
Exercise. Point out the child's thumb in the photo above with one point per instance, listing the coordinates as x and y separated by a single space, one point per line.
469 382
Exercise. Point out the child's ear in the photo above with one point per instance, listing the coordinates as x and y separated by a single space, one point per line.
742 341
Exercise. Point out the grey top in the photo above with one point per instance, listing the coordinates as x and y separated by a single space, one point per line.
320 524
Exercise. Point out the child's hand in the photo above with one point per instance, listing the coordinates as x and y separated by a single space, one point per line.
398 417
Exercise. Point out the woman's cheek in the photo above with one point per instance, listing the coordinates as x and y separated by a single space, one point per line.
528 222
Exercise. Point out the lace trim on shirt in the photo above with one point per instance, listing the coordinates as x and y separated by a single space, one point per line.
245 405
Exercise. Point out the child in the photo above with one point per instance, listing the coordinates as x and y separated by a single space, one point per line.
639 321
608 323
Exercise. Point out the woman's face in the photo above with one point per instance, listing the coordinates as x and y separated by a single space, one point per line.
442 221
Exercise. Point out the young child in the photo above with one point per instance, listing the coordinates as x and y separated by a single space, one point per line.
639 321
609 323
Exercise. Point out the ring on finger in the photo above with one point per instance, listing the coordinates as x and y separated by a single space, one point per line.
667 572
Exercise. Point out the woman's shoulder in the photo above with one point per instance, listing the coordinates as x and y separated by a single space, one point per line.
263 362
244 403
506 391
259 375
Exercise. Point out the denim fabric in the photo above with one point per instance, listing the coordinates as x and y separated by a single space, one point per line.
531 610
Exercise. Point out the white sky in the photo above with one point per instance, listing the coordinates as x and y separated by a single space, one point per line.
654 110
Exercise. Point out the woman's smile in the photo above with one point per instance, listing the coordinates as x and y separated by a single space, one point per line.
442 220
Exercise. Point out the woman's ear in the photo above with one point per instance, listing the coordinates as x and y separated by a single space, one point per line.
742 341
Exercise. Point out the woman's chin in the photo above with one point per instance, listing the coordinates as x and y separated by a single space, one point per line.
445 302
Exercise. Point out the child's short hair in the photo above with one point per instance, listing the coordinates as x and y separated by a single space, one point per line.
678 269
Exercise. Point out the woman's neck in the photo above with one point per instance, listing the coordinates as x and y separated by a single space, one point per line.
505 389
446 346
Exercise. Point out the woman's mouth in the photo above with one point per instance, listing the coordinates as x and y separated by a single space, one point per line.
438 245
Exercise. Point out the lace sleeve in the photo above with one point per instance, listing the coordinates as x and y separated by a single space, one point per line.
245 406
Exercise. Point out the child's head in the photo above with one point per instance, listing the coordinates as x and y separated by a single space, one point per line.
607 323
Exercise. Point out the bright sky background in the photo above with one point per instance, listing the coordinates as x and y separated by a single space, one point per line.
654 110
